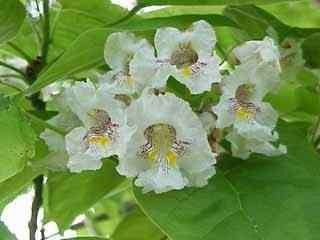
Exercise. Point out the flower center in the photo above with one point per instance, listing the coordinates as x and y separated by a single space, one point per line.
162 146
103 130
184 57
244 92
123 78
243 110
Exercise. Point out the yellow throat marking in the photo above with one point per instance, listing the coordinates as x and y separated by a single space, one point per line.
162 138
98 139
186 71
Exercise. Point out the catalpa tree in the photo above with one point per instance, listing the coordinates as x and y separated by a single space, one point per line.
193 120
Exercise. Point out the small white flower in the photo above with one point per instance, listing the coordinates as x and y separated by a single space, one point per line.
104 132
188 56
291 53
169 149
120 49
241 105
242 147
258 52
35 9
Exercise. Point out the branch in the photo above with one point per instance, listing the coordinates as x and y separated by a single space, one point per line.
36 204
46 32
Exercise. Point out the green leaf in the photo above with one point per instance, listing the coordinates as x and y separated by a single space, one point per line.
256 22
101 10
182 21
68 195
85 53
207 2
136 226
5 234
10 188
12 14
311 50
260 198
16 142
85 238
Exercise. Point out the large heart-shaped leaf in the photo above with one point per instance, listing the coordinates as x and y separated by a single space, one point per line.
12 14
17 140
68 195
208 2
262 198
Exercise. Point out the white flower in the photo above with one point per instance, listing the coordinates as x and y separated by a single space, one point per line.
169 149
242 147
120 49
241 105
258 52
104 132
291 53
188 56
35 9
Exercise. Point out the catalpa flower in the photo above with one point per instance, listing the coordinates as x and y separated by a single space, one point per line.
242 147
104 132
258 52
120 49
291 53
169 149
241 105
188 56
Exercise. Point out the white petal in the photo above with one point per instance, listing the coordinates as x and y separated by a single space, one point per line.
208 121
205 74
166 41
203 38
147 71
242 147
55 141
121 47
160 180
259 51
81 162
80 158
116 82
225 117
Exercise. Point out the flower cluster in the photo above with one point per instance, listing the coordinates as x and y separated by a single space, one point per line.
156 136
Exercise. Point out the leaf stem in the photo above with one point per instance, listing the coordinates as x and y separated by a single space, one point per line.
44 123
36 205
46 32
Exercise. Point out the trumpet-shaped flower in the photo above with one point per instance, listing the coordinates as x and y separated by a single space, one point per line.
241 105
169 149
188 56
258 52
104 132
242 147
120 49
